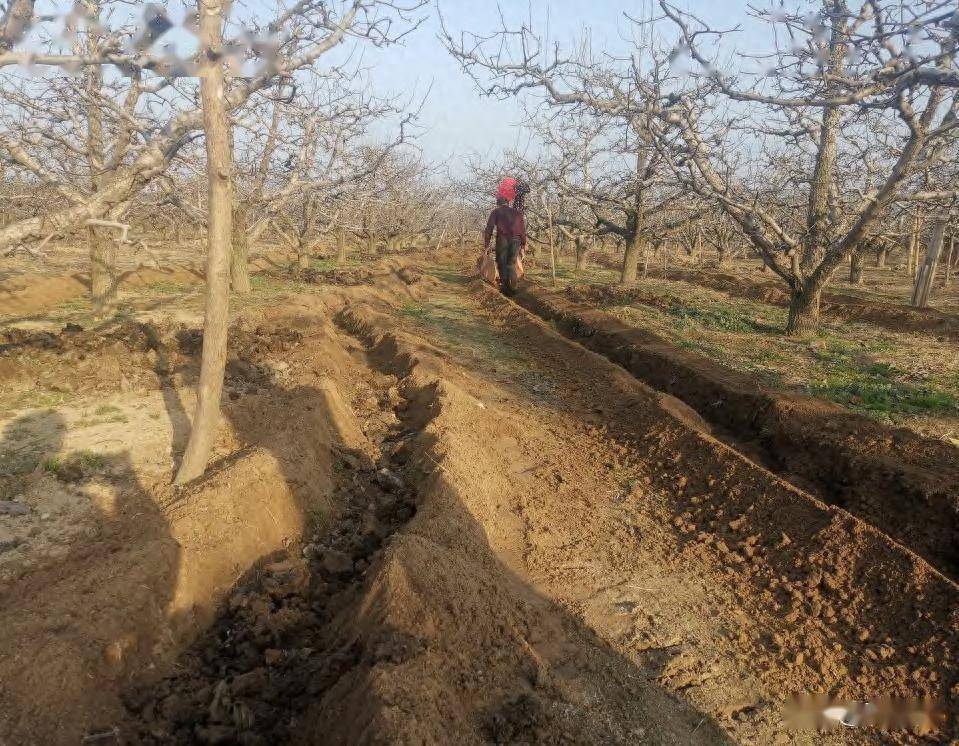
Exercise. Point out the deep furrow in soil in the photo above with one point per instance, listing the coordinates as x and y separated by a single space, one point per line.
279 645
902 483
825 601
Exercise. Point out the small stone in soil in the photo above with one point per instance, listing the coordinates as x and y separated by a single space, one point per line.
388 479
9 507
272 656
286 578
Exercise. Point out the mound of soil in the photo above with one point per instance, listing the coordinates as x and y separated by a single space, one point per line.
345 276
906 485
395 622
148 565
389 548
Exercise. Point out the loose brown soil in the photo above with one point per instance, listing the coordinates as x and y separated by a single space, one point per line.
431 518
906 485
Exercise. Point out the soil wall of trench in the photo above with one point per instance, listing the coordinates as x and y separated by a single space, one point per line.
902 483
832 582
497 660
433 632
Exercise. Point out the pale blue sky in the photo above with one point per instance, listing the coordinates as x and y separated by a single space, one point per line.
458 120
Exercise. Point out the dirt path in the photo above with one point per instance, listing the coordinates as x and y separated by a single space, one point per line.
495 535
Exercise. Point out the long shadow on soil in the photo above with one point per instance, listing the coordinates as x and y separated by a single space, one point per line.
320 645
83 621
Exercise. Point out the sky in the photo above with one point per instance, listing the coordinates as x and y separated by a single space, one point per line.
457 121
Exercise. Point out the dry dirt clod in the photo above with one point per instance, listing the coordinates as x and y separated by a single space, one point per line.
389 480
10 507
336 562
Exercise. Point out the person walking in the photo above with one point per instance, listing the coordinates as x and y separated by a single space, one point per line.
507 222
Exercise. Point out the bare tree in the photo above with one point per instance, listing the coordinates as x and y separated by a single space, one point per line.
301 35
624 92
219 143
839 68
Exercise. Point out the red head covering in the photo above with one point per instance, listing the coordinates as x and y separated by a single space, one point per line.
507 189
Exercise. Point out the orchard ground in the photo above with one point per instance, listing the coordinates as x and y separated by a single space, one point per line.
433 515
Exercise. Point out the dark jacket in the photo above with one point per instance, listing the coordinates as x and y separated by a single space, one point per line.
508 224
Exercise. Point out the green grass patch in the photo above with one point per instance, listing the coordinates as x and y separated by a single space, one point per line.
80 303
91 422
725 319
266 286
42 399
886 376
872 389
75 465
459 329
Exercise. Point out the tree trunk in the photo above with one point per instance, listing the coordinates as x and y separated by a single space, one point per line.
371 244
216 125
239 260
856 266
627 275
302 254
927 272
881 258
803 311
949 258
581 248
552 242
914 244
103 274
341 247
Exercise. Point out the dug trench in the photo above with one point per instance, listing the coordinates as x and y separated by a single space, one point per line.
273 650
577 560
397 621
151 565
902 483
899 317
821 586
